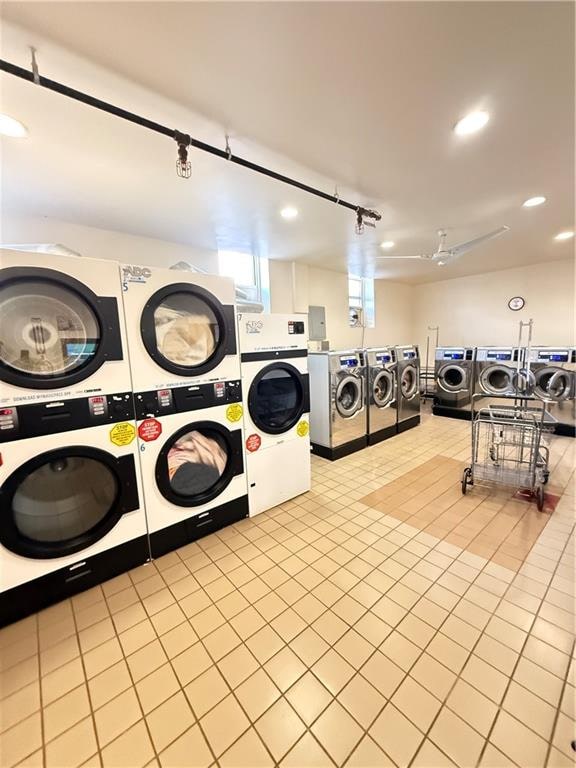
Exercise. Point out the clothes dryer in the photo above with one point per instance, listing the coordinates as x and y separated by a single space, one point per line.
72 512
408 378
191 454
61 328
454 378
338 413
181 327
381 393
274 364
554 372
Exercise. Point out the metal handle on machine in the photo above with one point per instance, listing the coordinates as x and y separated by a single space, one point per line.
552 384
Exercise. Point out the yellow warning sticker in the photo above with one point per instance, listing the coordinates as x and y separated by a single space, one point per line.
234 412
302 428
122 433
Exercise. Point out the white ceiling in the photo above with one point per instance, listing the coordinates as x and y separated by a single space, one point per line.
363 95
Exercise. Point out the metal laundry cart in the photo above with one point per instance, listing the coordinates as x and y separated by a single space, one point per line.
510 445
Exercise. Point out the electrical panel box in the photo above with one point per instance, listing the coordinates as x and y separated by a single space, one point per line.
317 323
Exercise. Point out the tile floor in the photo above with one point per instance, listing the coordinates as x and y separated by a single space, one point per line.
380 620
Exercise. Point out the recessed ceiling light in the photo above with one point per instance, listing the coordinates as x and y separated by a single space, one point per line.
564 235
387 244
532 202
289 212
473 122
11 127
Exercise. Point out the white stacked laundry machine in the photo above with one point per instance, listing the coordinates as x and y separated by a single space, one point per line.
72 512
274 362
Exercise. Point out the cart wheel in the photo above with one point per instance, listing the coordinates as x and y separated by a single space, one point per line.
466 479
545 476
540 498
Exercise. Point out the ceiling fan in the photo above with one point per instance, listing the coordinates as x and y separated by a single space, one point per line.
446 253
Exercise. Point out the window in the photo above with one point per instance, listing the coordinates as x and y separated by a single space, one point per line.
250 275
361 297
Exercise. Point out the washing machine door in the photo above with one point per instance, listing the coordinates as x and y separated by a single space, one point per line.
64 500
383 388
278 396
349 396
554 384
452 378
497 380
54 331
198 462
409 382
186 330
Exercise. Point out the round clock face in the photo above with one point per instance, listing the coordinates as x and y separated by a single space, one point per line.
516 303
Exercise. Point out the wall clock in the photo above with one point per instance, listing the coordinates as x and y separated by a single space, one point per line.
516 303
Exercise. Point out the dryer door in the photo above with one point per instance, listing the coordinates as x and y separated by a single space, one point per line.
409 382
383 388
497 380
186 330
278 396
453 378
197 462
554 384
54 331
62 501
349 396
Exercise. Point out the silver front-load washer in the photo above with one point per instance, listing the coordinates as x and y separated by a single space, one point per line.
454 377
499 372
338 424
554 372
408 382
381 393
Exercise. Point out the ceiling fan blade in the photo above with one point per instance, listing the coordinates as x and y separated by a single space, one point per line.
424 256
458 250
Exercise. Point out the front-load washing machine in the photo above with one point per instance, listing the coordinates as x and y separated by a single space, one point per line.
191 455
61 328
554 370
454 377
181 327
498 371
381 393
408 378
274 364
338 420
72 513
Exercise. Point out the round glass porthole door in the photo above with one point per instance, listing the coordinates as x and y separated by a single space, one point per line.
183 328
348 396
47 330
452 378
409 381
59 503
276 398
383 388
195 464
553 384
496 380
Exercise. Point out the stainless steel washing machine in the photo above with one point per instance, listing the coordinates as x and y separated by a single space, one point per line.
338 423
554 380
454 379
381 394
408 383
497 371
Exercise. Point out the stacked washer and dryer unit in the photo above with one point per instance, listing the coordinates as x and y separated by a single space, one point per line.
185 361
70 489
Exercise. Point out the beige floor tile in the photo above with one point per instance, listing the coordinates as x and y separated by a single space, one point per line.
189 750
493 758
496 654
456 738
433 676
415 703
401 650
517 742
146 660
157 687
545 656
258 693
19 705
285 668
191 663
237 666
288 625
224 724
65 712
530 709
21 675
206 691
362 700
169 720
429 756
539 681
373 629
247 752
307 753
308 697
473 707
485 678
369 755
117 715
247 622
337 732
21 740
383 674
330 627
564 735
167 619
73 747
333 671
396 735
280 728
448 652
178 639
264 644
220 642
130 750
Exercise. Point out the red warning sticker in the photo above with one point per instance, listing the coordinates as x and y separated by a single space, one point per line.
149 430
253 442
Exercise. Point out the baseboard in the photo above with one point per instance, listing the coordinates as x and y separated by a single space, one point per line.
452 413
382 434
413 421
566 430
339 451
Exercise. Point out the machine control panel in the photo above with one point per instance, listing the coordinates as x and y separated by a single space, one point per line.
497 354
349 361
553 355
160 402
385 357
409 354
296 327
36 419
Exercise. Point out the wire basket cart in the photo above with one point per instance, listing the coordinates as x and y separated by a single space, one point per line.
510 445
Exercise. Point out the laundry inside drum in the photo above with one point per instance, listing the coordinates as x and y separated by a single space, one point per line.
196 461
187 330
348 395
499 379
46 329
453 377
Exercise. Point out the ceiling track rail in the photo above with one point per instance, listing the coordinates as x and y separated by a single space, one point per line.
180 138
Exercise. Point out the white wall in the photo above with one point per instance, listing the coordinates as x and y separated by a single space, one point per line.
474 310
